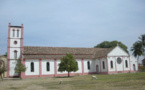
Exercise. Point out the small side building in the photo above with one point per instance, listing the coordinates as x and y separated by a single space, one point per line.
143 62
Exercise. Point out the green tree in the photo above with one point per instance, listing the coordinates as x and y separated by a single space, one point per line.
20 68
142 42
5 54
107 44
68 64
2 68
137 49
142 39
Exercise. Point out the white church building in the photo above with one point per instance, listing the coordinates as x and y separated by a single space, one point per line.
44 61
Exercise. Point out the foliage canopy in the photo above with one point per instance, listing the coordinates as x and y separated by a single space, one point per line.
68 64
2 68
20 67
138 47
107 44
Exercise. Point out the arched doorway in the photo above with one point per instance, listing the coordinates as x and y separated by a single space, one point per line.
134 69
97 69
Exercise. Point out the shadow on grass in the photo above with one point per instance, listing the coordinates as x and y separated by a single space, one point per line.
64 77
12 79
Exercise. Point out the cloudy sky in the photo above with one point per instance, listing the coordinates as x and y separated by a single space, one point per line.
73 23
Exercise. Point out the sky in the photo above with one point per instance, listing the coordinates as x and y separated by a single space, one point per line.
73 23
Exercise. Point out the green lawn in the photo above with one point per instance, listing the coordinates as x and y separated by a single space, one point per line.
128 81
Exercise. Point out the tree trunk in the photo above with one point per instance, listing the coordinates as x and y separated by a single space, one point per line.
68 73
20 75
1 77
138 58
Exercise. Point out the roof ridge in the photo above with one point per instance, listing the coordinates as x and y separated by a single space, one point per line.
67 47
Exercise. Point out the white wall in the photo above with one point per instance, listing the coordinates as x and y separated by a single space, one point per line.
101 60
15 45
133 61
109 63
97 62
92 66
28 68
128 61
43 67
79 61
117 51
12 52
116 66
12 68
119 66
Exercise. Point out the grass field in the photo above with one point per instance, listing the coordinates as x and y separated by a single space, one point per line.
128 81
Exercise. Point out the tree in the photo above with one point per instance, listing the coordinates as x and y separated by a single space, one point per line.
107 44
5 54
68 64
142 41
2 68
137 49
20 67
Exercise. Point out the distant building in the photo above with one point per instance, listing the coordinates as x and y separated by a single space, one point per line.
143 62
44 61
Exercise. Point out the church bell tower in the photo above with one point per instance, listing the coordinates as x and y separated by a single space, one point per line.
14 49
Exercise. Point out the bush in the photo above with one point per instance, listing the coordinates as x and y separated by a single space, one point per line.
141 68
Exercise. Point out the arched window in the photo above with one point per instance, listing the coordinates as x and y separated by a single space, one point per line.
103 65
32 66
88 64
15 54
13 32
119 60
17 33
47 66
126 63
111 63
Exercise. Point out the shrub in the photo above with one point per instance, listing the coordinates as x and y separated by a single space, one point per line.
141 68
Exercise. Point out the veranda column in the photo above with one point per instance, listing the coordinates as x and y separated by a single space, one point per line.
23 73
82 66
55 67
40 69
107 65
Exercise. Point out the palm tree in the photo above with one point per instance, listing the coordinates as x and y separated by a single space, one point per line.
137 49
142 40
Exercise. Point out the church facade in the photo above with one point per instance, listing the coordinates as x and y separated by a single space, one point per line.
44 61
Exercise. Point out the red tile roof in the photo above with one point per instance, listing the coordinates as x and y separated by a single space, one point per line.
31 52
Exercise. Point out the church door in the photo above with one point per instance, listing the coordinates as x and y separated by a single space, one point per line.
134 67
97 69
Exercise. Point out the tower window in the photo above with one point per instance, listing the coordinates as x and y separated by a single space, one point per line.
111 63
13 32
17 33
103 65
15 54
88 64
47 66
15 42
32 66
